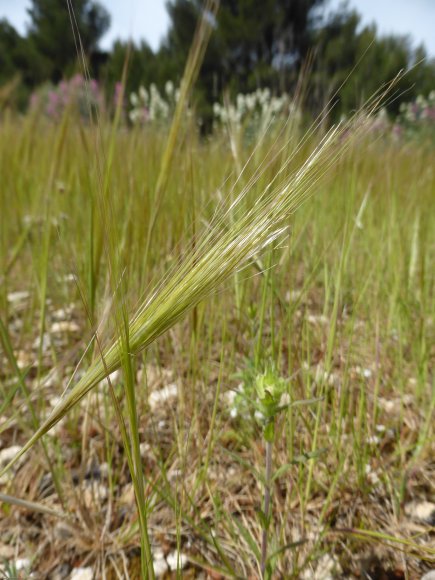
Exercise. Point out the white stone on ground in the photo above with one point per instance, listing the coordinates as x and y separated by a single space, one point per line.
423 511
82 574
164 395
176 561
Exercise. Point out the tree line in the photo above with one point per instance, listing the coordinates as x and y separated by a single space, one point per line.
254 44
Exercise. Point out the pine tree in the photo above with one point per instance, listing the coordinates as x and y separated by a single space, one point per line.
55 31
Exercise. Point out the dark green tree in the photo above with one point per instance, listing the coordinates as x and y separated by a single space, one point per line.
19 62
143 66
56 33
10 42
266 42
255 43
353 62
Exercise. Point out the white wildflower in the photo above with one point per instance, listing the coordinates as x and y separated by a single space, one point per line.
143 93
169 88
134 99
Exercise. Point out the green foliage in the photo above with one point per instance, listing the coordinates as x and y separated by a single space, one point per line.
51 50
270 389
143 66
370 296
265 44
253 45
51 29
10 44
354 61
18 59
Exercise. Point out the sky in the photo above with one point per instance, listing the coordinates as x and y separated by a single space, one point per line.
138 19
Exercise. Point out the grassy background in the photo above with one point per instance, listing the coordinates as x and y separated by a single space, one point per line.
346 314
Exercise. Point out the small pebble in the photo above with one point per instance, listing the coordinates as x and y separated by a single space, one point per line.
22 564
327 568
94 494
19 296
82 574
176 561
6 455
423 511
64 327
159 564
164 395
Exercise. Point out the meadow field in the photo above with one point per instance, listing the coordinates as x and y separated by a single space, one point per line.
270 305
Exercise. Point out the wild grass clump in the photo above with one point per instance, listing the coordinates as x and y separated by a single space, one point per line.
344 316
238 233
168 277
